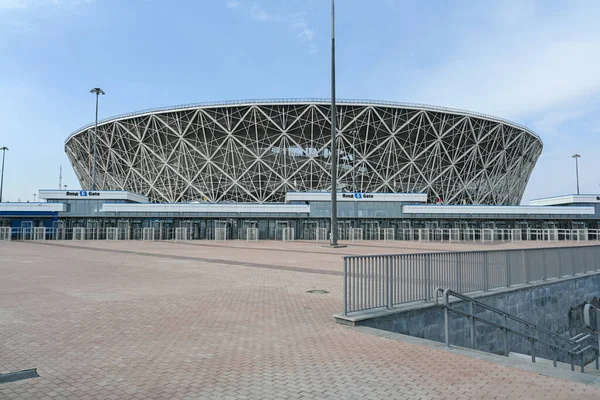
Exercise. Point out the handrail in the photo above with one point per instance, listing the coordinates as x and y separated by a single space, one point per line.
587 320
574 348
350 257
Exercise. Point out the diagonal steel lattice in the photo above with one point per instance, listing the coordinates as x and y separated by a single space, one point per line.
256 151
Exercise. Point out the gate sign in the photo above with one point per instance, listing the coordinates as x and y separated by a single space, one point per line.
357 196
82 193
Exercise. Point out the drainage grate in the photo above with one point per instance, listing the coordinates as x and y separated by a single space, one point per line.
317 291
19 376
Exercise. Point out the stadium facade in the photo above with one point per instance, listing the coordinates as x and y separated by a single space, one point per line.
257 151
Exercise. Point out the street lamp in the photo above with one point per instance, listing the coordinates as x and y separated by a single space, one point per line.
34 197
97 92
334 232
4 148
576 157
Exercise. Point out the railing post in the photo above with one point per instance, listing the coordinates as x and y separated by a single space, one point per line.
532 340
525 266
345 286
559 251
486 272
507 265
446 320
388 283
458 277
427 280
544 264
472 312
505 335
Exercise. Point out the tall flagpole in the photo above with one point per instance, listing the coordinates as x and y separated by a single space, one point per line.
334 230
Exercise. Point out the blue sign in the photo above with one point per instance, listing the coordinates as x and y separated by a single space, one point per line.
358 195
83 193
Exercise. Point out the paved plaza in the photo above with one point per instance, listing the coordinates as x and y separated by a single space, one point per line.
221 320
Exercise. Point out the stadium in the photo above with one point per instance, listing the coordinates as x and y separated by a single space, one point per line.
257 151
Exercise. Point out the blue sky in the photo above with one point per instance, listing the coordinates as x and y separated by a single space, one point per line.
533 62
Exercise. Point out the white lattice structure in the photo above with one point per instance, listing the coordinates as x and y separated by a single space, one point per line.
256 151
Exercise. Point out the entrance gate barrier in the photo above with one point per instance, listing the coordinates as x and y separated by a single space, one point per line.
78 233
5 233
288 234
147 234
39 233
321 234
356 234
251 234
181 234
388 234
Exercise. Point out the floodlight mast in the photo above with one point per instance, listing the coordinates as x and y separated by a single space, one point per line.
97 92
333 155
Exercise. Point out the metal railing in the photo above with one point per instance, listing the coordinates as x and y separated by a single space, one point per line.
383 281
573 347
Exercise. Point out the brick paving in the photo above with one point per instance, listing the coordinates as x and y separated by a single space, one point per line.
230 320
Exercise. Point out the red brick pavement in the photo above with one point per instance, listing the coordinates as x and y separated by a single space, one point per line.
117 325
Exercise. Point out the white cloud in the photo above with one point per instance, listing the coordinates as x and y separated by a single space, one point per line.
512 61
295 22
233 4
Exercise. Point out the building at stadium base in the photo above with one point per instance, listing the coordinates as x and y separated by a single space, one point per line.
121 215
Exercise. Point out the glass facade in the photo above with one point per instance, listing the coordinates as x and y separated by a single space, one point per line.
357 209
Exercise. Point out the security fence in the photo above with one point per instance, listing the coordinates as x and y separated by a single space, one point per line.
383 281
283 231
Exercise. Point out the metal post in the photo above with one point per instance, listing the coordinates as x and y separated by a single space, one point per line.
334 233
4 148
507 269
388 282
345 286
458 277
486 278
446 321
532 340
472 312
576 157
427 280
97 92
505 335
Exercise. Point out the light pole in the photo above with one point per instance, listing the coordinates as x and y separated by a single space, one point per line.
334 231
97 92
4 148
34 197
576 157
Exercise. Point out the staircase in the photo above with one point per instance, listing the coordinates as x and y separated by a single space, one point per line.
578 350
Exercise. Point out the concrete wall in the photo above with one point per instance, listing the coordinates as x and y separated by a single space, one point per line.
555 305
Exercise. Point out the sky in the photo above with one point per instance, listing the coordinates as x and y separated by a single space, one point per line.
536 63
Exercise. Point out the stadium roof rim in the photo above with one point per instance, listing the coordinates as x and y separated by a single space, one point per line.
324 101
